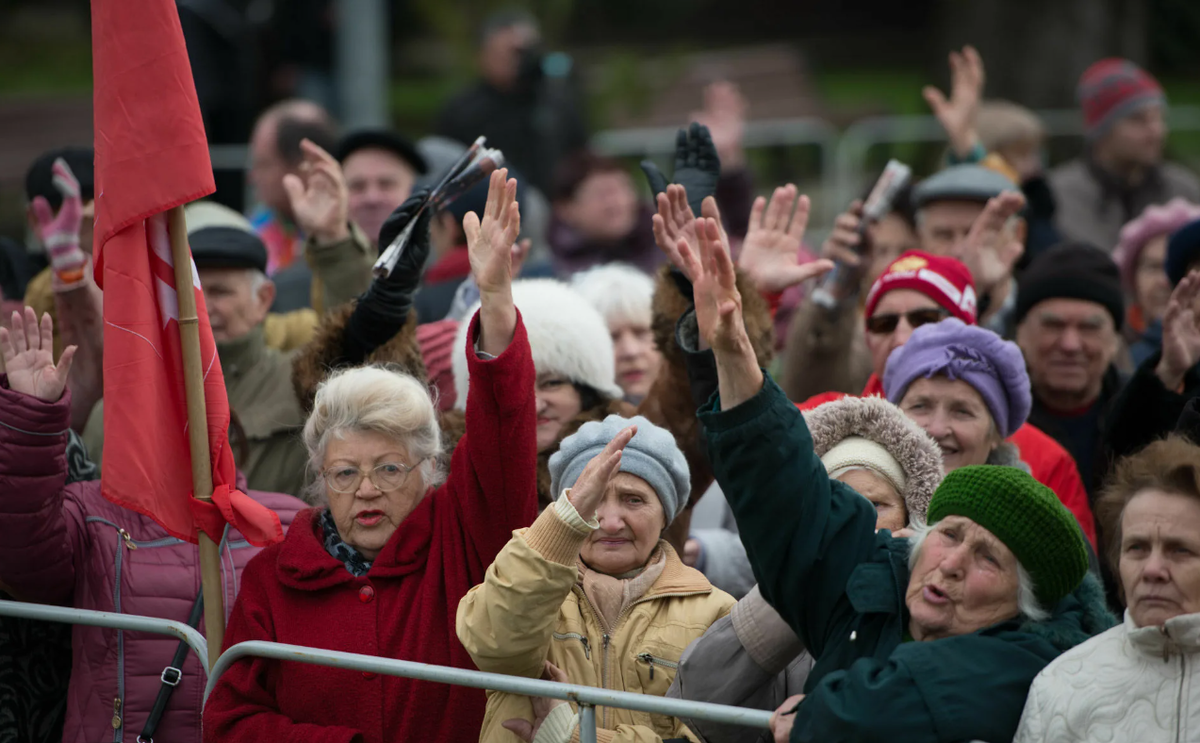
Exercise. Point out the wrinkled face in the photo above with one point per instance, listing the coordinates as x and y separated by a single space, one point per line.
891 237
898 302
558 403
267 168
637 357
1152 288
378 182
631 521
1136 139
1068 344
500 57
367 518
889 505
954 415
942 226
234 308
964 579
1160 556
604 208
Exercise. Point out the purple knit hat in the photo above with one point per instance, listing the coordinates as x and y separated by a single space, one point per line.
979 357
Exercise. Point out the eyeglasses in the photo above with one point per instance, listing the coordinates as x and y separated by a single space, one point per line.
386 477
884 324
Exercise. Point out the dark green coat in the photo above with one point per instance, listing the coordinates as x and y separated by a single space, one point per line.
819 562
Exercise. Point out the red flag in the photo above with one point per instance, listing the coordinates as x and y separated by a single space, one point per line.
152 155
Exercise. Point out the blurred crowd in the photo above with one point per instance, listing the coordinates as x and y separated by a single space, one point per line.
582 436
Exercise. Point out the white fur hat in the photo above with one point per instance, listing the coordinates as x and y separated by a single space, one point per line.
567 336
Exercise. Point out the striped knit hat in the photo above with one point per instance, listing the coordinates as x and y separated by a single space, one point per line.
1112 89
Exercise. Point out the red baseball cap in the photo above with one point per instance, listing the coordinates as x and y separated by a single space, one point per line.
944 280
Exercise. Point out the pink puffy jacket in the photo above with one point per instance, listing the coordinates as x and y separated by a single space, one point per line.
68 545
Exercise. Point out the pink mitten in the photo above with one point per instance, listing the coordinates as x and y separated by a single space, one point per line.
60 232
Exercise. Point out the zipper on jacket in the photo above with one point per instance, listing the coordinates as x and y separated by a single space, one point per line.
652 660
1179 701
117 722
587 650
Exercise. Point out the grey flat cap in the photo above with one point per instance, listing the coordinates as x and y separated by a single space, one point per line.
961 183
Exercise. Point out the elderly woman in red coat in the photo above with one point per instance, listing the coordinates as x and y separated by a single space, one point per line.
382 569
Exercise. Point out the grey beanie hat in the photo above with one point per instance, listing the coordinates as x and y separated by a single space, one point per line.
651 455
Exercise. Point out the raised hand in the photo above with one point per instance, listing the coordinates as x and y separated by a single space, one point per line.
725 116
1181 332
29 357
588 491
675 221
990 249
718 302
319 197
957 115
60 232
771 252
843 241
490 244
697 166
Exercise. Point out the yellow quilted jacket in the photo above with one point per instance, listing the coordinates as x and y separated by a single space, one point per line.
531 608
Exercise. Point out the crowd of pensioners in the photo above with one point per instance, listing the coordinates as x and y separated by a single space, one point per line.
578 437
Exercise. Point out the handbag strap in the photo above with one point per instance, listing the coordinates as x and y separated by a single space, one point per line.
171 675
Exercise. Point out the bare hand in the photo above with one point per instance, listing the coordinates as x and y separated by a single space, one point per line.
1181 332
718 301
990 249
958 114
691 552
29 357
319 198
784 718
770 254
842 245
490 241
588 490
725 116
675 221
542 707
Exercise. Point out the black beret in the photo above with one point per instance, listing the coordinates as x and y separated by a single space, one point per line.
227 247
382 139
1072 270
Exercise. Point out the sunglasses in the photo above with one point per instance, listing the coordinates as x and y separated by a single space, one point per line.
884 324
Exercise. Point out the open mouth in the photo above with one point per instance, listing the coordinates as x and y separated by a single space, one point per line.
935 595
369 518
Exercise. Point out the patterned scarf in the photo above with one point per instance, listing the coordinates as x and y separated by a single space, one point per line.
342 552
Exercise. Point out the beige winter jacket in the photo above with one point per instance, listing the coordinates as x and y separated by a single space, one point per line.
531 607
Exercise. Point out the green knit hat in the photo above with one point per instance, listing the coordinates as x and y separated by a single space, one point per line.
1023 514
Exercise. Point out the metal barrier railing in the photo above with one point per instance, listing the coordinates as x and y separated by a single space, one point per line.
133 622
586 697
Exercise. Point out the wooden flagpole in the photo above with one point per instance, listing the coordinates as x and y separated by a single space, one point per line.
193 379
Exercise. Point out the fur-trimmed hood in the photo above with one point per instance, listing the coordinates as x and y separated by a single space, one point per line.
885 424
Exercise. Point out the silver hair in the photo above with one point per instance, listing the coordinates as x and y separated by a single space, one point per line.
1027 603
377 400
622 293
257 279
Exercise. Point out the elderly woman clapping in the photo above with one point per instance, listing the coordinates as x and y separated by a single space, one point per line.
937 640
1138 681
382 568
591 593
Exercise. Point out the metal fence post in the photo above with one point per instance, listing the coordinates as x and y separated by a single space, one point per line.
587 723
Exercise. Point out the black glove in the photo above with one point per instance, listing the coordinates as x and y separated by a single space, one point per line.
383 309
697 167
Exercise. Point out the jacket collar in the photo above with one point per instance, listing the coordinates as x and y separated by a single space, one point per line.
676 577
243 353
1178 635
304 563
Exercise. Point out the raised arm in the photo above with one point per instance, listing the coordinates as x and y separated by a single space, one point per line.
37 545
791 516
494 468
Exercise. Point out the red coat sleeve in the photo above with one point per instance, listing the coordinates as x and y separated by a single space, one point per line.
493 472
40 530
242 706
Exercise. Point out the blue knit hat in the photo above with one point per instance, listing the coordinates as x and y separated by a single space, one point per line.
979 357
651 455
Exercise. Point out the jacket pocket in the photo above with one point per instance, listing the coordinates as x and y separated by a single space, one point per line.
575 638
656 667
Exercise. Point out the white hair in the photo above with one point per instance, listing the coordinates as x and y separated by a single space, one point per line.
257 279
1027 603
377 400
620 292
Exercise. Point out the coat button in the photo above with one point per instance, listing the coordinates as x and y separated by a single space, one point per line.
368 675
366 594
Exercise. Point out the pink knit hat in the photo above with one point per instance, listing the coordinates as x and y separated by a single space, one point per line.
1151 223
